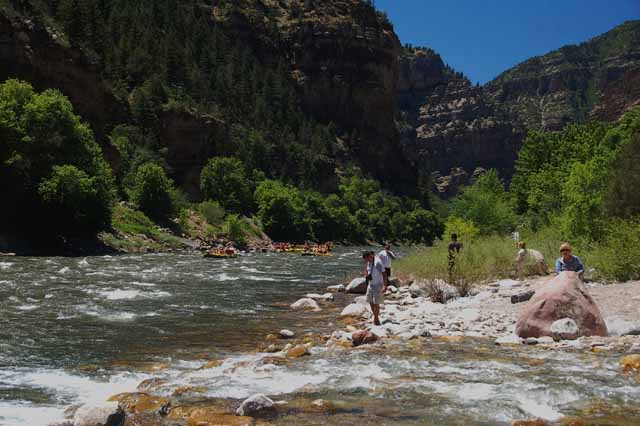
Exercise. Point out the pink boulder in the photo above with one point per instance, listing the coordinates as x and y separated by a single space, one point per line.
565 296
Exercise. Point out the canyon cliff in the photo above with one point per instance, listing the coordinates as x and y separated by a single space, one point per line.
397 113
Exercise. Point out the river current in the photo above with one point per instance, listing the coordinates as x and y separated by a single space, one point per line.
78 330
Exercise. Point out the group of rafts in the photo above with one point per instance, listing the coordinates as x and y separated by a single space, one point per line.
303 250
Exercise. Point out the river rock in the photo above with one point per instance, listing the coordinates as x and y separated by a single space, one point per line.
620 327
286 334
564 329
138 402
298 351
524 296
356 310
470 315
336 288
357 286
630 362
325 297
255 405
511 340
305 304
363 337
201 419
562 297
437 288
531 263
361 300
105 414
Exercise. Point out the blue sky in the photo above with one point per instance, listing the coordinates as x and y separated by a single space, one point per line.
482 38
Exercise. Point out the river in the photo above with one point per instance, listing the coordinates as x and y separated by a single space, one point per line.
78 330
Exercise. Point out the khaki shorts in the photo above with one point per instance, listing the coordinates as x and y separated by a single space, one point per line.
375 295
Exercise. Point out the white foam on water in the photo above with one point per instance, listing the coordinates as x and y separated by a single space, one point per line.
226 277
537 408
130 294
27 414
68 387
121 294
141 284
83 263
6 265
98 274
115 316
257 278
64 270
27 307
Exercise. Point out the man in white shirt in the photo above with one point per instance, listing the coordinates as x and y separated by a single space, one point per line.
385 257
377 285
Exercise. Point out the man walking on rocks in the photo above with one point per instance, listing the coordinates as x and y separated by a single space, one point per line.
377 286
386 255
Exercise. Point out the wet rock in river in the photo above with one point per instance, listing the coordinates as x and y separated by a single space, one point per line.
212 364
336 288
564 296
298 351
322 297
202 419
105 414
564 329
138 402
305 304
630 363
357 286
532 422
363 337
256 405
287 334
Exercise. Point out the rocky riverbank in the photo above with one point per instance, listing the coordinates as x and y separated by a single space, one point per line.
489 313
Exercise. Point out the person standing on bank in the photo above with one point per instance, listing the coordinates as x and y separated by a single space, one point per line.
377 285
455 247
386 255
569 262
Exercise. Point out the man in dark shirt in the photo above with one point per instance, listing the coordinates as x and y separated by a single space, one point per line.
454 249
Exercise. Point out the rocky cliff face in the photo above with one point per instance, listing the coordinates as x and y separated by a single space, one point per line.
448 124
596 79
450 127
344 57
35 53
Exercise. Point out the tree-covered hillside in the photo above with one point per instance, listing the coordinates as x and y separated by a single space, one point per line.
192 91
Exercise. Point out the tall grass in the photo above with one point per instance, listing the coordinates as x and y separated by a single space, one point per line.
616 258
480 260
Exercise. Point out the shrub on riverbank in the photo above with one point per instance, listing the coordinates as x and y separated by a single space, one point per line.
53 178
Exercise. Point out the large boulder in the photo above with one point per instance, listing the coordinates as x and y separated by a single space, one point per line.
531 262
562 297
357 286
255 405
105 414
305 304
